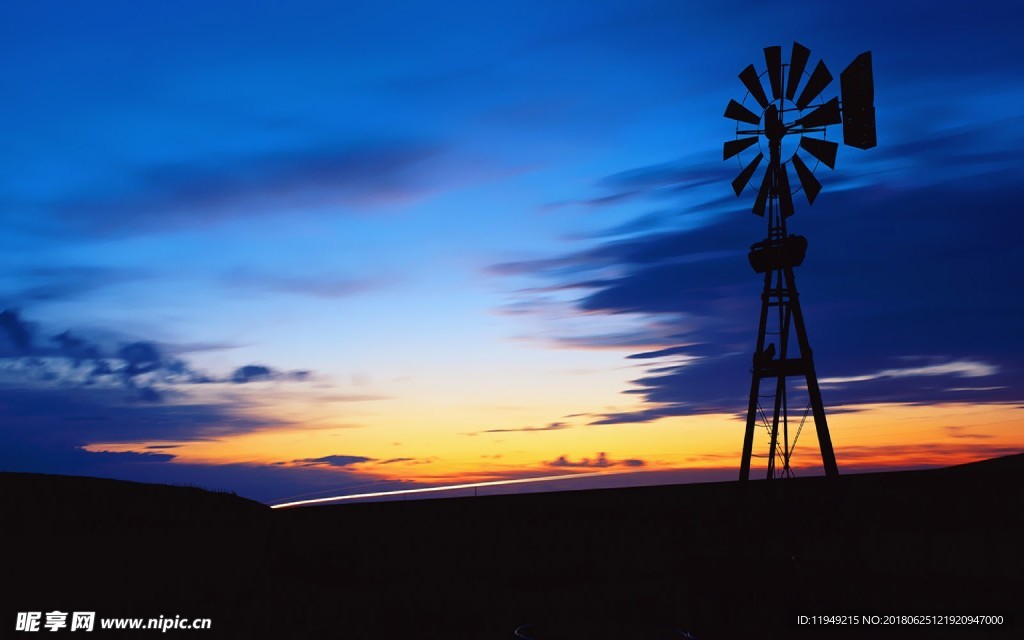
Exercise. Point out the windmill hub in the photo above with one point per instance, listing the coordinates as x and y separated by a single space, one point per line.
774 122
790 131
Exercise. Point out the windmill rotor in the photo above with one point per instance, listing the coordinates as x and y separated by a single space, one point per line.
790 120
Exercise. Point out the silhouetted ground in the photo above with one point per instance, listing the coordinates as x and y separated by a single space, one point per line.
718 560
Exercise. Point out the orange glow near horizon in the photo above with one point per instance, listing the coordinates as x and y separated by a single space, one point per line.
402 444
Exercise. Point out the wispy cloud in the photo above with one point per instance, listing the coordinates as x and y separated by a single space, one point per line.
58 283
957 368
600 462
144 368
129 456
660 181
319 286
962 432
195 193
553 426
335 460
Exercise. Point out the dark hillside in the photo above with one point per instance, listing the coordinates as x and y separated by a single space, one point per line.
38 500
718 560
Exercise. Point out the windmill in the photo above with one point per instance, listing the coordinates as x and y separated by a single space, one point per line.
790 129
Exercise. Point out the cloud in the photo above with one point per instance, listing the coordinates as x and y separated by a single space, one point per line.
76 349
958 368
408 461
317 286
961 432
139 358
904 296
600 462
130 456
47 430
189 194
659 181
266 483
262 373
666 179
251 373
335 460
59 396
142 367
553 426
52 283
149 394
660 410
15 334
70 359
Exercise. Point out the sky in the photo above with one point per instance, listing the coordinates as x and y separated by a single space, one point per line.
321 248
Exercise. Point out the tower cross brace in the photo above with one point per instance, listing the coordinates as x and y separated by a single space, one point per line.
773 365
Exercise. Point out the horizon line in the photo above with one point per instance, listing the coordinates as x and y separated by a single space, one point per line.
470 485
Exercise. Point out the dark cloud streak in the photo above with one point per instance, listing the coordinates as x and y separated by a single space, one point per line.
191 194
335 460
554 426
898 279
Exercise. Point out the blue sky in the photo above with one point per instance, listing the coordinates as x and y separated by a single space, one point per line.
274 233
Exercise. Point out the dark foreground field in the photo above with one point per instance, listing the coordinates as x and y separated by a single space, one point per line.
716 560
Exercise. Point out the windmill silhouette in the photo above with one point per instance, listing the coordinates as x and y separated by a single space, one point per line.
789 129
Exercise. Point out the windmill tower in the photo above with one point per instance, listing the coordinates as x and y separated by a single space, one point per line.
790 129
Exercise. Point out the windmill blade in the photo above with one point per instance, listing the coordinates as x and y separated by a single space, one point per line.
773 58
732 147
819 79
763 192
807 180
737 111
823 150
744 177
753 84
785 196
824 115
797 62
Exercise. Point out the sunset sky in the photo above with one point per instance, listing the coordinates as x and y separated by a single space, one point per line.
308 248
